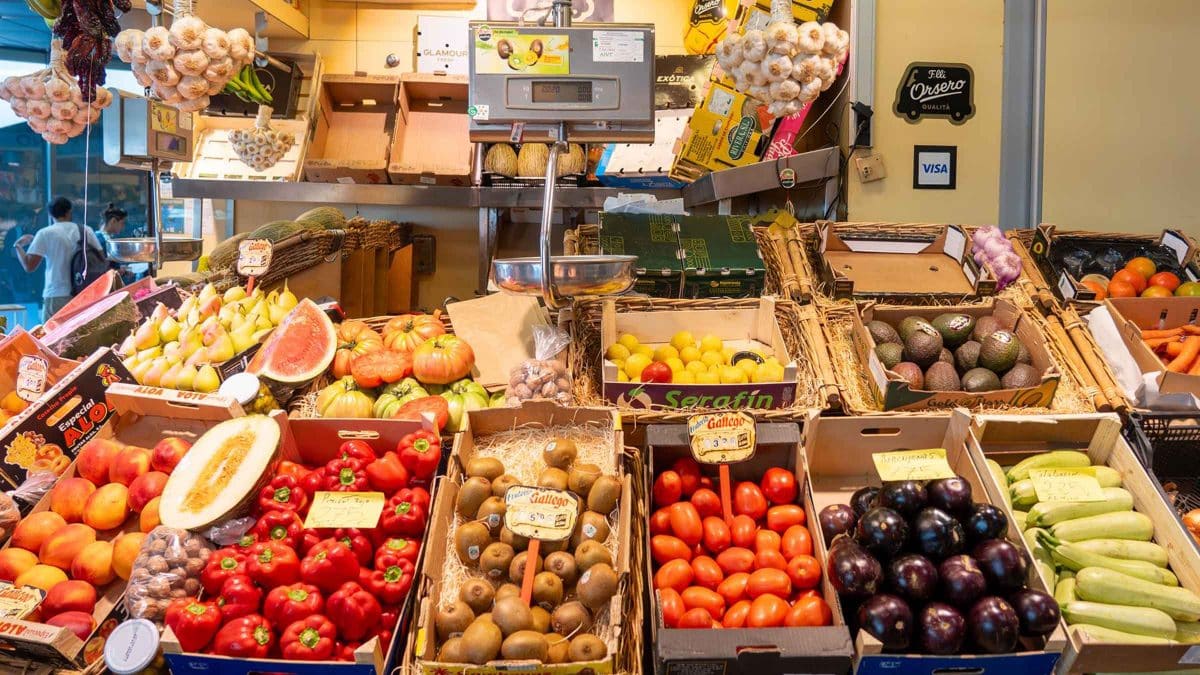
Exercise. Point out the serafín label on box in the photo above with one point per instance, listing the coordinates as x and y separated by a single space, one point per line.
721 438
927 464
540 513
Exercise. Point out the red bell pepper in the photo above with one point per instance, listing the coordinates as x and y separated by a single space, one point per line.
387 474
391 580
313 481
193 622
272 564
239 597
400 547
420 452
310 639
221 565
354 610
244 544
292 469
346 475
405 513
345 651
281 526
358 541
286 605
247 637
387 623
329 565
308 539
283 493
360 450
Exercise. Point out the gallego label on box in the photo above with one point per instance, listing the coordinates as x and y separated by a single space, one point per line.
721 438
540 513
928 464
1066 485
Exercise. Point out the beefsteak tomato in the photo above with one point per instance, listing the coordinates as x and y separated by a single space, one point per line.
343 398
354 339
442 360
464 395
406 331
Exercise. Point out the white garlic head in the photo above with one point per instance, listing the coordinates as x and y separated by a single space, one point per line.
785 90
187 32
810 38
754 46
781 37
157 44
777 67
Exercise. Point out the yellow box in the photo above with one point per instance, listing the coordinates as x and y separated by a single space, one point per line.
728 129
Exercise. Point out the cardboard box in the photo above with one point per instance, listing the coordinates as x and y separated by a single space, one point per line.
355 118
727 129
769 651
892 267
893 390
839 450
642 166
143 416
679 80
1132 315
501 324
756 14
1048 241
1008 439
741 329
442 43
431 144
423 644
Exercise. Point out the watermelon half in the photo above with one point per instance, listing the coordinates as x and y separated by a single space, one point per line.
101 287
299 349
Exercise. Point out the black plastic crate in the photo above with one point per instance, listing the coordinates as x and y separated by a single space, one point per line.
1168 445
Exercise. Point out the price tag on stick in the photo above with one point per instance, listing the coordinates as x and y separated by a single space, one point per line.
254 259
539 514
929 464
722 439
31 377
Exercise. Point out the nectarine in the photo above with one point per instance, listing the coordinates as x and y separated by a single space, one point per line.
130 463
148 520
125 550
35 529
167 454
94 564
60 548
95 459
68 498
79 623
14 562
40 576
144 488
107 507
69 596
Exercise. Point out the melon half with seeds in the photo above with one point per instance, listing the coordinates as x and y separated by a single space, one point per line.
221 473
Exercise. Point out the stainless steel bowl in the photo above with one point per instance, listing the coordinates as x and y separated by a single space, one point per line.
141 250
573 275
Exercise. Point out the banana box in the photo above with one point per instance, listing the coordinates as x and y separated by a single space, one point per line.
728 129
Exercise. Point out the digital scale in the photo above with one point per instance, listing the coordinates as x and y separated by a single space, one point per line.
559 83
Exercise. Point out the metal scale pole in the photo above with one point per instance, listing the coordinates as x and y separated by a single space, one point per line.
560 11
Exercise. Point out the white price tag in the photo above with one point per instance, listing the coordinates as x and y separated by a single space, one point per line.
540 513
31 377
254 257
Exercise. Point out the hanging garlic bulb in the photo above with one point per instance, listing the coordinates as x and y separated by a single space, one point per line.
50 100
261 147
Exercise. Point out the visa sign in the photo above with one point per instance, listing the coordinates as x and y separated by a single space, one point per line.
934 169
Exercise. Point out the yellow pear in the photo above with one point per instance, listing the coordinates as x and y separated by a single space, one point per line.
146 335
149 354
234 294
243 337
272 297
173 350
193 344
139 371
186 377
154 375
236 322
188 305
260 335
130 362
221 349
263 323
209 291
206 380
287 299
226 314
127 348
169 329
193 317
276 314
170 379
160 312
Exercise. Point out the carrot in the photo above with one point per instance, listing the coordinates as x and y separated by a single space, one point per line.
1174 349
1195 369
1170 332
1191 330
1191 349
1155 343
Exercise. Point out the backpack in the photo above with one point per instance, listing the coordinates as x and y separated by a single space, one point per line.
87 264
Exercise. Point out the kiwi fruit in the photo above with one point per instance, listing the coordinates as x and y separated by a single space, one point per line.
604 494
591 526
547 590
452 651
549 547
469 541
581 477
478 594
560 453
516 541
507 590
452 619
481 642
491 513
495 559
571 617
555 479
485 467
511 614
471 495
562 564
541 619
501 484
591 553
559 648
596 586
516 570
525 645
587 648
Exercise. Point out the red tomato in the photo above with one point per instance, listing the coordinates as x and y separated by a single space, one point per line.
698 596
707 503
796 541
809 611
735 616
769 580
804 571
766 540
668 488
769 558
665 548
716 534
749 500
706 482
733 588
660 522
672 606
810 593
742 531
780 518
707 572
676 574
689 473
685 522
779 485
696 618
736 559
767 611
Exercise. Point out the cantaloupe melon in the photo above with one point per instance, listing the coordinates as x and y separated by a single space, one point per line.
323 217
531 161
276 231
501 159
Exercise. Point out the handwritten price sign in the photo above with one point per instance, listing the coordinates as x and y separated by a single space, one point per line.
31 377
1066 485
345 509
254 257
540 513
721 438
929 464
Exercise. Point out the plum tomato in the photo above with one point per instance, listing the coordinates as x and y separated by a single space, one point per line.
717 537
734 560
733 588
676 574
660 522
748 500
767 611
809 611
689 474
767 540
769 580
706 572
666 548
736 615
743 531
696 618
672 606
796 541
780 518
779 485
668 488
804 571
685 522
699 596
769 559
707 503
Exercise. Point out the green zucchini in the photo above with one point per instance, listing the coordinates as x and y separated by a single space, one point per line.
1118 525
1091 633
1064 591
1105 476
1187 632
1044 514
1071 557
1126 549
1066 574
1001 480
1023 495
1136 620
1055 459
1099 584
1019 518
1042 559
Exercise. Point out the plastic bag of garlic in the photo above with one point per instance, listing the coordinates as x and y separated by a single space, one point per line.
784 65
51 102
261 147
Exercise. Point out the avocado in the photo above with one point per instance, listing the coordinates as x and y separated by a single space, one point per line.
941 377
984 327
955 328
889 354
923 346
882 333
1023 355
978 380
946 355
911 324
998 351
911 372
966 356
1021 376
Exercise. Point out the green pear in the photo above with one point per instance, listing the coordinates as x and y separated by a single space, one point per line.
206 380
186 378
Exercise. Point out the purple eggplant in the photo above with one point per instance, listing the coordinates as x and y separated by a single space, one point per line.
1002 563
937 535
837 519
906 497
882 532
952 495
852 571
864 499
962 581
913 577
986 522
942 629
889 619
994 625
1037 611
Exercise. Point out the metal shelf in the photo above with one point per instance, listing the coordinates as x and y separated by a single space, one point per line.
815 165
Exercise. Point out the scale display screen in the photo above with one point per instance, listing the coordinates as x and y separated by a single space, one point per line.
561 91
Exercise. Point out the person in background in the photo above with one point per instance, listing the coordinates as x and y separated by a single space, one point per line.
114 224
56 245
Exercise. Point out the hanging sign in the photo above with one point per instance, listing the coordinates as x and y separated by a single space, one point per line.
936 90
540 513
721 438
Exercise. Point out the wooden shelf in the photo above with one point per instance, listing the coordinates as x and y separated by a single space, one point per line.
283 19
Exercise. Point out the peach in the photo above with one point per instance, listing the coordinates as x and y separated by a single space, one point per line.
95 459
60 548
149 518
68 498
40 576
144 488
167 453
107 507
130 463
94 564
80 623
35 529
125 550
69 596
14 562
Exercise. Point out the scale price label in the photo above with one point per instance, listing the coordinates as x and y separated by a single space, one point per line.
1066 485
927 464
721 438
540 513
31 377
254 257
